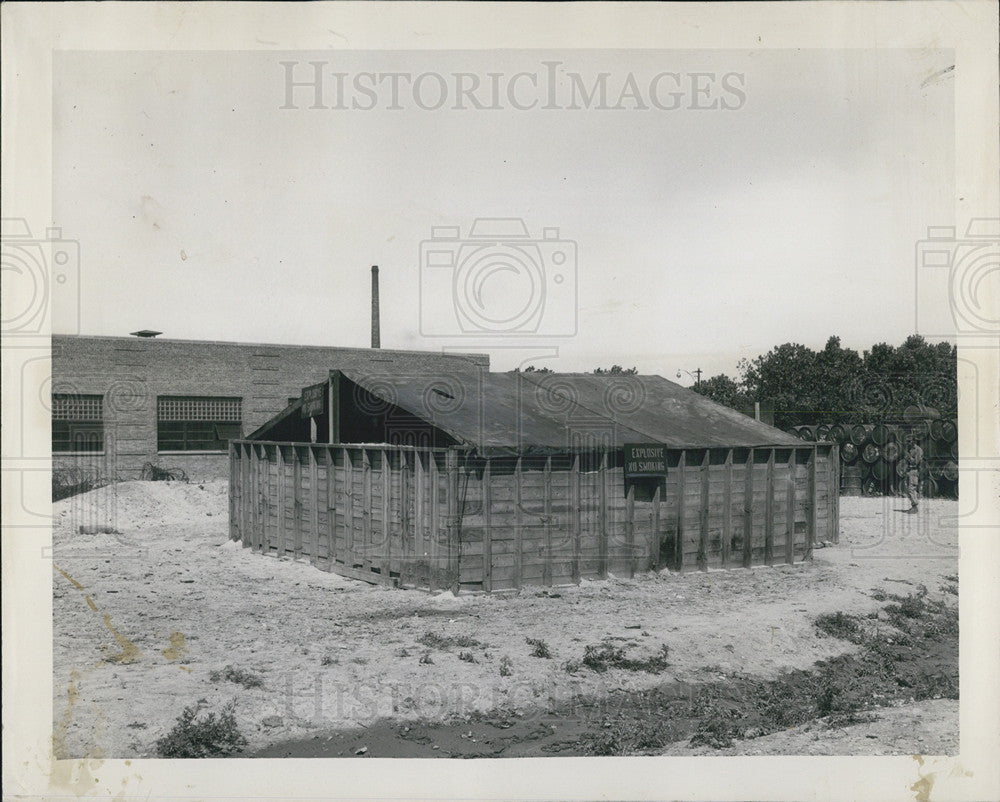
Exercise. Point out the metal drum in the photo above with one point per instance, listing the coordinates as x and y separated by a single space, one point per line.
891 451
838 433
851 476
870 453
807 433
937 429
881 470
881 434
954 451
858 434
848 453
823 432
950 471
949 430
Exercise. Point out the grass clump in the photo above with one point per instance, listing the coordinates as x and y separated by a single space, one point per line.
447 642
608 655
210 736
506 666
231 674
840 625
539 648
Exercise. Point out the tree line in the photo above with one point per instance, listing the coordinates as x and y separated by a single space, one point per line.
836 384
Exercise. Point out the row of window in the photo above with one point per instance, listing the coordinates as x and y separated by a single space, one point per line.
183 423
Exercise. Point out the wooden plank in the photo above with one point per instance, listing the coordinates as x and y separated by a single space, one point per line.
654 544
630 528
679 543
297 501
727 511
233 529
813 524
547 506
454 528
602 521
313 507
367 549
386 537
790 512
834 458
331 507
419 529
574 515
487 528
703 515
347 507
405 535
519 522
280 459
436 579
748 510
769 512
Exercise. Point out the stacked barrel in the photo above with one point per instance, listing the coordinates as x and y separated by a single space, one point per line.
873 455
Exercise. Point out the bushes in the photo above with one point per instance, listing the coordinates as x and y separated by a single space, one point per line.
211 736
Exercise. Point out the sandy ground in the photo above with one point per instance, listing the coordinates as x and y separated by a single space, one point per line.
143 617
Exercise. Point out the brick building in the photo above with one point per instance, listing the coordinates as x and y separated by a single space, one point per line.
119 403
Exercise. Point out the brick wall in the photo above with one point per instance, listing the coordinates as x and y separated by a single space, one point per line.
131 372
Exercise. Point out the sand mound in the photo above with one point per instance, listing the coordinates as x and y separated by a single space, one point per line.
138 505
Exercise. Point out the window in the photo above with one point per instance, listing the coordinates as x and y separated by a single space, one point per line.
77 423
197 423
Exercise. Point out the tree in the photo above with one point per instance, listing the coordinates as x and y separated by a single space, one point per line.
533 369
723 390
616 370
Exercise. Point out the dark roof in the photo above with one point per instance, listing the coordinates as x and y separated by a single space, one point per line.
565 411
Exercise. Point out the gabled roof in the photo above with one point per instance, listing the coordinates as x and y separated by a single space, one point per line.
524 412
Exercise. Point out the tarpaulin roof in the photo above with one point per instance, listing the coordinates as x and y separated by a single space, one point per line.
523 412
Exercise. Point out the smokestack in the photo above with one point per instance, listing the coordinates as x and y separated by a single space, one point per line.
376 340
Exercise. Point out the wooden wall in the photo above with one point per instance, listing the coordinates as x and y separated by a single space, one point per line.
439 518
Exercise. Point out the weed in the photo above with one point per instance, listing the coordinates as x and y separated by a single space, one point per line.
361 661
245 678
840 625
425 658
506 666
467 657
402 652
211 736
447 642
608 655
539 648
329 661
572 666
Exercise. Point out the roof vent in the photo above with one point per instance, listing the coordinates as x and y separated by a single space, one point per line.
145 333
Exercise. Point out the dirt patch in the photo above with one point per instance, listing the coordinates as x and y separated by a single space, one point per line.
337 656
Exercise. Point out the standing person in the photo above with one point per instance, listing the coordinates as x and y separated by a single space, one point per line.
914 463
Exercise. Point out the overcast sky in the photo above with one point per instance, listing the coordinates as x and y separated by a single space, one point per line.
787 210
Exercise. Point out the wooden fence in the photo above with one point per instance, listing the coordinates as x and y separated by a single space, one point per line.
442 518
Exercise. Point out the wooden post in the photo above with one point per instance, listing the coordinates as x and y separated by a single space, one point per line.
256 496
834 492
454 530
313 507
282 546
518 526
233 529
385 562
435 578
630 528
487 530
769 512
347 505
547 526
727 510
405 535
419 512
603 517
748 512
790 518
574 515
366 512
654 546
331 506
703 514
679 543
813 505
297 500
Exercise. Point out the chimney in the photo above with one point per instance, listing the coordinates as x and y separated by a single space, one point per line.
376 340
